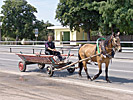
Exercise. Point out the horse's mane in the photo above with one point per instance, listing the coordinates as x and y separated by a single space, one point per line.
107 40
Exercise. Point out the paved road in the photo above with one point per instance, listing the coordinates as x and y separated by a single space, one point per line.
35 85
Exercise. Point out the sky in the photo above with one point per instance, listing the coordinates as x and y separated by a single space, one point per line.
46 9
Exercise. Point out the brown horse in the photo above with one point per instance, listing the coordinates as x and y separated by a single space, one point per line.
88 50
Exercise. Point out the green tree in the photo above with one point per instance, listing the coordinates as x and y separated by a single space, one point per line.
117 15
18 19
43 31
79 14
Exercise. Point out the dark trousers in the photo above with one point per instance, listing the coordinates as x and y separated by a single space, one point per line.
56 53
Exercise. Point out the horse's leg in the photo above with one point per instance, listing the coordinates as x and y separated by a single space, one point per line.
80 68
100 71
106 71
85 68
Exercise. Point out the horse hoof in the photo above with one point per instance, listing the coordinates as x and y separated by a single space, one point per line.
95 77
108 81
89 78
80 75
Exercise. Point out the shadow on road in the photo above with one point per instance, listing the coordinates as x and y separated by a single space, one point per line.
117 80
64 73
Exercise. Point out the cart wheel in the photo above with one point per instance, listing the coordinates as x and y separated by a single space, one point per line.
22 66
50 71
71 70
41 66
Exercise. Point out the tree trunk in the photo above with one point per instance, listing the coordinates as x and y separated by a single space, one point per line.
88 35
17 39
112 30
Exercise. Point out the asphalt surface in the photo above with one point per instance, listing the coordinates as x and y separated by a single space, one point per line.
34 84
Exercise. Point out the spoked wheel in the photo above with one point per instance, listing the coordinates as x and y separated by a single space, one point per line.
22 66
71 69
41 66
50 71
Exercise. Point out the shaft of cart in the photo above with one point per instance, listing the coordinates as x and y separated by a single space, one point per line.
65 67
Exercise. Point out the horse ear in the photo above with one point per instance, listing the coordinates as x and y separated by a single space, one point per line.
118 34
113 34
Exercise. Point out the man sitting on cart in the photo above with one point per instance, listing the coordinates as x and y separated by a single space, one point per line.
50 48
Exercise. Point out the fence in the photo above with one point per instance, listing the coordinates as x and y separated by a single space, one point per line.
39 46
42 42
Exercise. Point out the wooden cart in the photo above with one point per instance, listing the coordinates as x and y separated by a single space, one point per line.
42 60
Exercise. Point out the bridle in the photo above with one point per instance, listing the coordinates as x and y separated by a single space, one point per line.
115 44
113 49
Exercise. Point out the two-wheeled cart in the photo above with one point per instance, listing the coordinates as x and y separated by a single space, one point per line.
42 60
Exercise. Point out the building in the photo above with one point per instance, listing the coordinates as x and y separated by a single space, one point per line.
65 34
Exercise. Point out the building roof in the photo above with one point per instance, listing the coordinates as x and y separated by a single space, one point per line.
58 27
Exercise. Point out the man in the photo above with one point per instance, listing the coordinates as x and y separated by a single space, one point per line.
50 48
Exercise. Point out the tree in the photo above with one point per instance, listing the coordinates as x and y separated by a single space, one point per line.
79 14
104 15
18 19
117 15
43 31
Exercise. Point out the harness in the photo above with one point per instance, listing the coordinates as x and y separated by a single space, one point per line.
103 45
97 44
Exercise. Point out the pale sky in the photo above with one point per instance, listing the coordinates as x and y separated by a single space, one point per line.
46 9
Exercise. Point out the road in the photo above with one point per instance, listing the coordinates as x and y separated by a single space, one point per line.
34 84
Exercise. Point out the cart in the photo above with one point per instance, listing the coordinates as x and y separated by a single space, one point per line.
42 59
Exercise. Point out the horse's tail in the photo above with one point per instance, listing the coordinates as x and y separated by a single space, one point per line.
80 63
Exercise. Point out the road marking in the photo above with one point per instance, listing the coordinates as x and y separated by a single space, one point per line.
123 60
75 82
18 73
9 59
7 53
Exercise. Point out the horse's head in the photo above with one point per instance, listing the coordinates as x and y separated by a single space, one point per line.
116 42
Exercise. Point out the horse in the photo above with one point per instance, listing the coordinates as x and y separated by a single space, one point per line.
111 43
